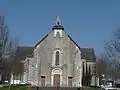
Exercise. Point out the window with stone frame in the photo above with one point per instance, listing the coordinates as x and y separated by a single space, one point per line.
70 81
42 80
57 56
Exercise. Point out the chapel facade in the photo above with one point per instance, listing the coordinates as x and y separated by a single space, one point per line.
58 61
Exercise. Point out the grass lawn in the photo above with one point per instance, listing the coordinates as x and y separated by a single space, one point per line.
17 88
91 88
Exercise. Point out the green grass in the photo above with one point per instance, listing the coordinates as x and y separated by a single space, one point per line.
17 88
32 88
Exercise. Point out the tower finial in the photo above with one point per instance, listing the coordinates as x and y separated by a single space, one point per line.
58 22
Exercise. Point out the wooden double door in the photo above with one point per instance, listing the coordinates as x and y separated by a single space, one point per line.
56 80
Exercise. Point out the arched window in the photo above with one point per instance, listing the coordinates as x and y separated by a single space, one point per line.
57 58
57 34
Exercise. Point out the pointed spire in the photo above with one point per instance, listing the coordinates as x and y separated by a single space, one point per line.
58 22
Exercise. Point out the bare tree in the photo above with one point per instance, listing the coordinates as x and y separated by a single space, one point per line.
112 49
7 49
101 68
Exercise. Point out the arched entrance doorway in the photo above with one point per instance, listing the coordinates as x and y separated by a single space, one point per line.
56 77
57 80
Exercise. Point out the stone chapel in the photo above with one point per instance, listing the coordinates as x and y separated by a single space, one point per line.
57 60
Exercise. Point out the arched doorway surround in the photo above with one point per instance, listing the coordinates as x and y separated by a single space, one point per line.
56 77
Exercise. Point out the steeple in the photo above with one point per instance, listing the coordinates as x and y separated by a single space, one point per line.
58 24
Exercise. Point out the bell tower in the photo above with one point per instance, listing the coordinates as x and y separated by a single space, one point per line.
58 28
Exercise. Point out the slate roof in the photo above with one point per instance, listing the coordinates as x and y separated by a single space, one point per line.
24 51
88 54
21 53
41 40
58 27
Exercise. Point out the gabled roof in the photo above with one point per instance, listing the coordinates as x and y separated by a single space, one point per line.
65 33
42 39
58 25
88 54
74 42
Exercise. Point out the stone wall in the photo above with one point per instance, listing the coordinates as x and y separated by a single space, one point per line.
45 57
